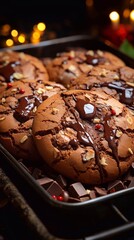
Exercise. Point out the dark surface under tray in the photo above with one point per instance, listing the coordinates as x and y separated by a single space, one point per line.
106 217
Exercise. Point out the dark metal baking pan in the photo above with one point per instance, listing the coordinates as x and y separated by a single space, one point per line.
106 215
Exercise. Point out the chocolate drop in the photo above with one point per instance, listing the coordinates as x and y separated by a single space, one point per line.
23 112
86 109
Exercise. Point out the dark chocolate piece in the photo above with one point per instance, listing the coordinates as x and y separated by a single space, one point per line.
7 71
45 182
55 189
24 112
100 191
77 190
115 186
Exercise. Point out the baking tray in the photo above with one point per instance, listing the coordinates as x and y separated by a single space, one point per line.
101 218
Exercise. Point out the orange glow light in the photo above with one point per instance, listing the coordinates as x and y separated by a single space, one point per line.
9 42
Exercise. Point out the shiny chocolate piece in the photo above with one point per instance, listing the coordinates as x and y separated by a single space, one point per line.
95 59
86 109
55 189
45 182
24 112
77 190
100 191
7 71
126 93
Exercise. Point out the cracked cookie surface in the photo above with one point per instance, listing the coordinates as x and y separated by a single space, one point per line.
87 136
18 104
15 66
118 83
68 66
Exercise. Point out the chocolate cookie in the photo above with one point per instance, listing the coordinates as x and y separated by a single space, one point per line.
18 65
118 83
87 136
70 65
18 104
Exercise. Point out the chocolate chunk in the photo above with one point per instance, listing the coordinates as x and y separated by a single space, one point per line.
7 72
100 191
55 189
24 112
115 186
45 182
77 190
86 109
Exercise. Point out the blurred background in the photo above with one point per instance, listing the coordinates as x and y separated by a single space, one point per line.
28 22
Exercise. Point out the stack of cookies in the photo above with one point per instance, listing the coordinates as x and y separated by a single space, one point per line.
70 120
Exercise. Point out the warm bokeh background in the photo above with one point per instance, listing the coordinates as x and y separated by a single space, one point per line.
64 18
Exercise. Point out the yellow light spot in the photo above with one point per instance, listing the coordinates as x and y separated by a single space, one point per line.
126 13
114 16
21 38
41 26
132 15
9 42
14 33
